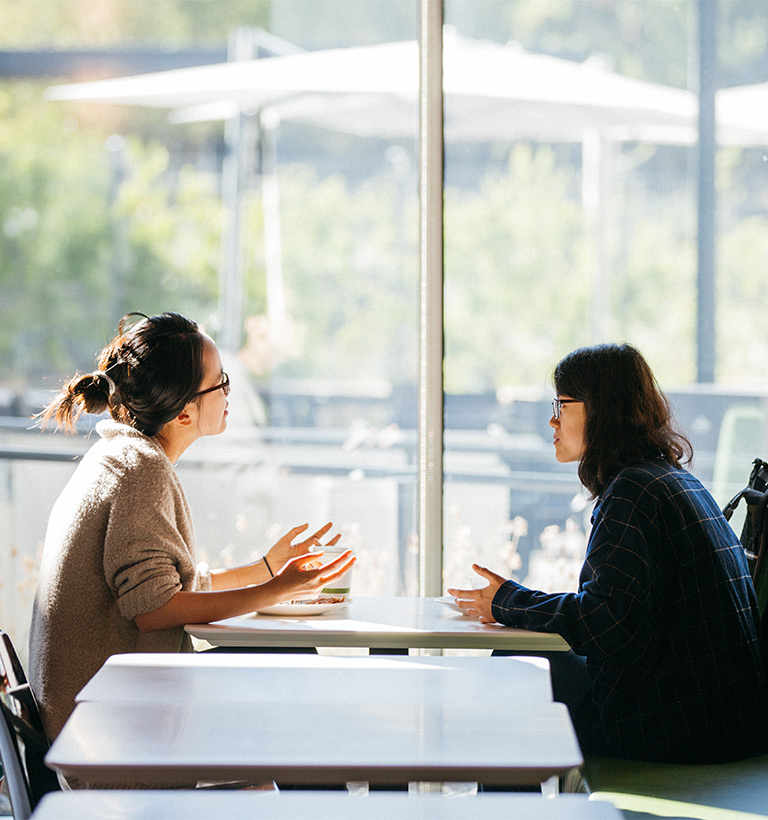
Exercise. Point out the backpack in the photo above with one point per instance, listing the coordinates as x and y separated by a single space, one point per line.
754 532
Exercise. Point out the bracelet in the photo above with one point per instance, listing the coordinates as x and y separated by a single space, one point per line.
269 569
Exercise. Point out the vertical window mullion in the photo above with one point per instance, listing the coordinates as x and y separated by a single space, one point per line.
431 143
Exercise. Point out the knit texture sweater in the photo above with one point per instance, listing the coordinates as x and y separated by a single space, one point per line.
119 544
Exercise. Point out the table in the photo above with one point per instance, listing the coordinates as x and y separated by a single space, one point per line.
123 743
258 680
315 720
201 805
377 623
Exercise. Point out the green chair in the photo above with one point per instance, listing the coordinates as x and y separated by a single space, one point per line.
717 791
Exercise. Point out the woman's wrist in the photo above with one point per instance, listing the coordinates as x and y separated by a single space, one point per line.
259 572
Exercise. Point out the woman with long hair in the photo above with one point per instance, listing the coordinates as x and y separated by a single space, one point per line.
666 662
118 571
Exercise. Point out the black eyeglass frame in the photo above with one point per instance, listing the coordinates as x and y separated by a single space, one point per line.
225 386
557 406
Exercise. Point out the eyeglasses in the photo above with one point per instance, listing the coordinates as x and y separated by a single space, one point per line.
557 405
223 386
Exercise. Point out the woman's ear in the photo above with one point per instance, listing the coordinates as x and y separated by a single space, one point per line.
184 419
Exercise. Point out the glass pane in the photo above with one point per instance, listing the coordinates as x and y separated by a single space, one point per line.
571 218
289 231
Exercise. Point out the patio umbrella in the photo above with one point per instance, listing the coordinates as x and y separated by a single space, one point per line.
493 92
496 91
746 106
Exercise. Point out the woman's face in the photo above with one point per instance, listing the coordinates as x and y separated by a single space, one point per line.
212 406
569 430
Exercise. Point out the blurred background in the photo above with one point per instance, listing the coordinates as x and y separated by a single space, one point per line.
605 180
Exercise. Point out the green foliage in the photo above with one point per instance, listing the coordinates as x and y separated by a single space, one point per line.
76 251
52 245
92 225
640 38
742 42
654 295
171 225
516 273
351 268
741 327
75 24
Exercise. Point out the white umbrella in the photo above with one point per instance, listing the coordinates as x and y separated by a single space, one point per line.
746 108
492 90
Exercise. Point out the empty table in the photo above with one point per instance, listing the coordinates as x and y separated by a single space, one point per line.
322 720
259 680
207 805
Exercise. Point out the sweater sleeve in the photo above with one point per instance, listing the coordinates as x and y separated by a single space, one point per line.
611 615
147 559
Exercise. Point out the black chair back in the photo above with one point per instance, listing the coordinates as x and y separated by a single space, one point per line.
23 743
754 533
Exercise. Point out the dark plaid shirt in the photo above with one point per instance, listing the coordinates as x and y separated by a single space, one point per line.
666 617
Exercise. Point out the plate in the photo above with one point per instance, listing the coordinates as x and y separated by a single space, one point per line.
450 601
302 610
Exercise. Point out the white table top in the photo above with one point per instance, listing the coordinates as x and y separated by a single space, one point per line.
429 739
377 623
260 680
201 805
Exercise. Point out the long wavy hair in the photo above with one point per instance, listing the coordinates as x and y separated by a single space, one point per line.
628 418
146 375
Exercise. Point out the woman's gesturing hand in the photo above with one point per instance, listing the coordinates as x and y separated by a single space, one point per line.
477 602
284 549
303 574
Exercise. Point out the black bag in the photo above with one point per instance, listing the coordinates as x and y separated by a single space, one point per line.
754 532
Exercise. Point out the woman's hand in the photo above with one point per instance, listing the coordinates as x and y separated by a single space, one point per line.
284 549
305 575
279 554
477 602
298 578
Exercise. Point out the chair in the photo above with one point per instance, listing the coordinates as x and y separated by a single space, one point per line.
754 533
23 743
643 789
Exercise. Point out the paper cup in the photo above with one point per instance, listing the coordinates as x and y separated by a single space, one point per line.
341 586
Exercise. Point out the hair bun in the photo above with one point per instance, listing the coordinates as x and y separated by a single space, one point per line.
111 386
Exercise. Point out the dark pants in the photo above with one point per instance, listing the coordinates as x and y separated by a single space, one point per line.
568 673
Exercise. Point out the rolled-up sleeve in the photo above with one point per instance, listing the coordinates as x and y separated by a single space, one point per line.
147 558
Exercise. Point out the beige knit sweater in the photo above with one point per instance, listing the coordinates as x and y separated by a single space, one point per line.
119 543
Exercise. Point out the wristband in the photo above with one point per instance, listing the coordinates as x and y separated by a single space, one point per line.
269 569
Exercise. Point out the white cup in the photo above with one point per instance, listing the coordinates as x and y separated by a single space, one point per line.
341 586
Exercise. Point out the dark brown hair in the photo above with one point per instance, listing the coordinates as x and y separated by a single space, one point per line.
628 418
146 375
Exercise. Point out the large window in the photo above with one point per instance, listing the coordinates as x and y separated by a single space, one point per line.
279 204
585 202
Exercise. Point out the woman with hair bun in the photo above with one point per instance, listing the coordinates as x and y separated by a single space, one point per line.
666 662
118 569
